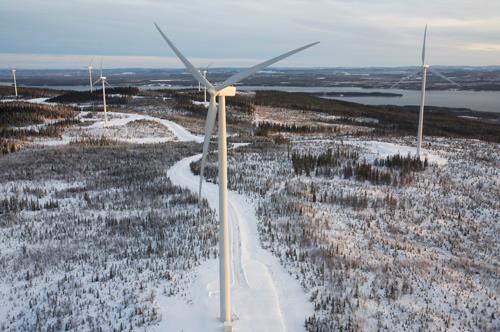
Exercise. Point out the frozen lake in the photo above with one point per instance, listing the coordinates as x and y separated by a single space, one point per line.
486 101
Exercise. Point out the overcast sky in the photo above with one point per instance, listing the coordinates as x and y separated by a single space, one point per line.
67 33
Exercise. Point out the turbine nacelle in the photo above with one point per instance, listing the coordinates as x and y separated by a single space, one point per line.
228 91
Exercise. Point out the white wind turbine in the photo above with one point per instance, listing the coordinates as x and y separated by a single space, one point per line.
204 72
223 90
90 75
15 81
199 84
425 69
103 80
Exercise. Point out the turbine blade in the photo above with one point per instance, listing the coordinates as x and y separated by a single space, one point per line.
209 126
444 77
106 82
404 79
423 47
101 66
91 60
189 66
252 70
97 81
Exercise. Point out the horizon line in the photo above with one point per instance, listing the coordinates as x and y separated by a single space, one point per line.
30 61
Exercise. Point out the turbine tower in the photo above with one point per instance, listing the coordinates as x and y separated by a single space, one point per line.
204 87
425 69
90 75
103 80
225 89
15 82
199 84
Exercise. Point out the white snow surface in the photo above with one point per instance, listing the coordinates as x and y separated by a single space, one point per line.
40 101
120 119
384 149
265 297
117 119
202 103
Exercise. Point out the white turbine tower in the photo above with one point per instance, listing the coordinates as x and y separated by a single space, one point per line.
103 80
425 70
199 84
90 75
225 89
204 72
15 81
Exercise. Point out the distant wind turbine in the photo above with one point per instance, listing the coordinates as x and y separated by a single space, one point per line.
425 69
103 80
15 82
199 84
90 75
204 73
225 89
204 87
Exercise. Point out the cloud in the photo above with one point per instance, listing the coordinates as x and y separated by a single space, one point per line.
352 32
58 61
483 47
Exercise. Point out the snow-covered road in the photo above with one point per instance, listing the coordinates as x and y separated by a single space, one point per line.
121 119
265 297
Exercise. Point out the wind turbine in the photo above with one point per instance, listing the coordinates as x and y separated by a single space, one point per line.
103 80
15 82
223 90
425 70
90 75
199 84
204 72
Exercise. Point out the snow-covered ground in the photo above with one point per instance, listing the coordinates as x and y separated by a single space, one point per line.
339 252
120 119
108 233
379 149
265 297
408 255
118 129
202 103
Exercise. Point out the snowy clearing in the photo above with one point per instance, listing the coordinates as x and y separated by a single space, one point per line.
118 129
383 149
